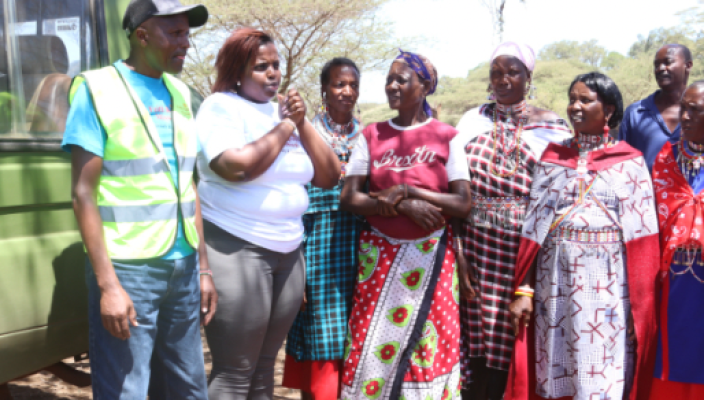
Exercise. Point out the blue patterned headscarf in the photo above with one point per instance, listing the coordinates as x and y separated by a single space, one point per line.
425 69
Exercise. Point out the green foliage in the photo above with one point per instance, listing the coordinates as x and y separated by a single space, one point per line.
588 52
611 61
659 37
552 79
634 77
560 62
308 33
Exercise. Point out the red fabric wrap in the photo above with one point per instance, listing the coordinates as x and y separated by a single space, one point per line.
680 217
643 258
521 376
416 157
668 390
679 209
597 160
320 379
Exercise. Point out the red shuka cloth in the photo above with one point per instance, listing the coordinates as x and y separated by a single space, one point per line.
642 264
321 379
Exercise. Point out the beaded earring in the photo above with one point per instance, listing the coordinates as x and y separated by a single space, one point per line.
491 96
324 104
532 92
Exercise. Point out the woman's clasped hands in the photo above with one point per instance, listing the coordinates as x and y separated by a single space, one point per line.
292 107
395 200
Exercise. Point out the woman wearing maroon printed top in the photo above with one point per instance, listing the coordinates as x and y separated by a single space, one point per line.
403 337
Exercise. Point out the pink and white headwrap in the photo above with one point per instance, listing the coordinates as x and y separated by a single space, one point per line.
521 51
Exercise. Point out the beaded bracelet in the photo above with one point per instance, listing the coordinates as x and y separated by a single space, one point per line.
526 289
206 272
518 293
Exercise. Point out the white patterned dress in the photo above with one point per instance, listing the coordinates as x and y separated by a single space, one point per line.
582 304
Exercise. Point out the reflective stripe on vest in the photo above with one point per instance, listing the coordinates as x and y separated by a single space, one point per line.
137 198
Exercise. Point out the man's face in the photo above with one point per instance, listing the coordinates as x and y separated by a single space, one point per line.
671 69
165 42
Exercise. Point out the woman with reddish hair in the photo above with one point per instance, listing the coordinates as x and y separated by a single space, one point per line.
255 161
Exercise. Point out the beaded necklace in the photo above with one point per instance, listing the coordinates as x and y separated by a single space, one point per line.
340 134
690 158
512 110
519 111
584 143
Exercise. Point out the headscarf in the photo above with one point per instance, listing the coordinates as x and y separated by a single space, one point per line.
425 69
521 51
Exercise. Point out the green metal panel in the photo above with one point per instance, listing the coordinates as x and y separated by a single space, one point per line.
35 179
118 45
31 350
43 296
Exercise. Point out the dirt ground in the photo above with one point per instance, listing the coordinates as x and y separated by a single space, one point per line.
45 386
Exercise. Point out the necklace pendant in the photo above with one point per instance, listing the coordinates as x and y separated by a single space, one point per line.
582 165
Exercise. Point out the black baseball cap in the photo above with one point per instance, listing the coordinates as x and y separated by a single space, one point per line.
139 11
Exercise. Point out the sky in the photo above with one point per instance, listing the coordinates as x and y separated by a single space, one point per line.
456 35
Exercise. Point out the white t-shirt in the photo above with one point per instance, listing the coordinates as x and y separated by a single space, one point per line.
267 210
456 166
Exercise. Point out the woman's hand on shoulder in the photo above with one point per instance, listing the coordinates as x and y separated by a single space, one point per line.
426 215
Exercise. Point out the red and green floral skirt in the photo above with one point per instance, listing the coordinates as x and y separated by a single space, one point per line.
404 334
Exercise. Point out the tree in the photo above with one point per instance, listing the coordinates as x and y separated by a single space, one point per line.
589 52
562 50
612 60
657 38
496 10
307 33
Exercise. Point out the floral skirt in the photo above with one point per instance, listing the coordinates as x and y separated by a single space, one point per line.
403 337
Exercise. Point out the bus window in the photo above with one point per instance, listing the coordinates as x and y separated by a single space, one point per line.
46 43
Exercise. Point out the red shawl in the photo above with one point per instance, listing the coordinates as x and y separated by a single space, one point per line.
679 209
641 263
680 217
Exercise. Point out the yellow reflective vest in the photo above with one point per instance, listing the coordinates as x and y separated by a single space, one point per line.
138 201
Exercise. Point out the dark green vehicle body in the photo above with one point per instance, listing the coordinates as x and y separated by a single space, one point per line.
43 296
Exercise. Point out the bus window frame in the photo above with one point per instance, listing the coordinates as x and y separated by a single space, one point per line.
27 142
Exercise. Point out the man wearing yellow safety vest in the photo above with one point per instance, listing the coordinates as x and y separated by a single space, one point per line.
133 147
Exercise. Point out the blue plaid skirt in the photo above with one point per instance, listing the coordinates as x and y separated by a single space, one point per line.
330 246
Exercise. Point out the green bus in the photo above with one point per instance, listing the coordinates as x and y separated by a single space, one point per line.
43 296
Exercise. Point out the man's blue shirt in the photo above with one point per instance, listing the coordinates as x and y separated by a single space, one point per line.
643 128
83 129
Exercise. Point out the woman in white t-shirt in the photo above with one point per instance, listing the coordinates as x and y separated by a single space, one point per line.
256 159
